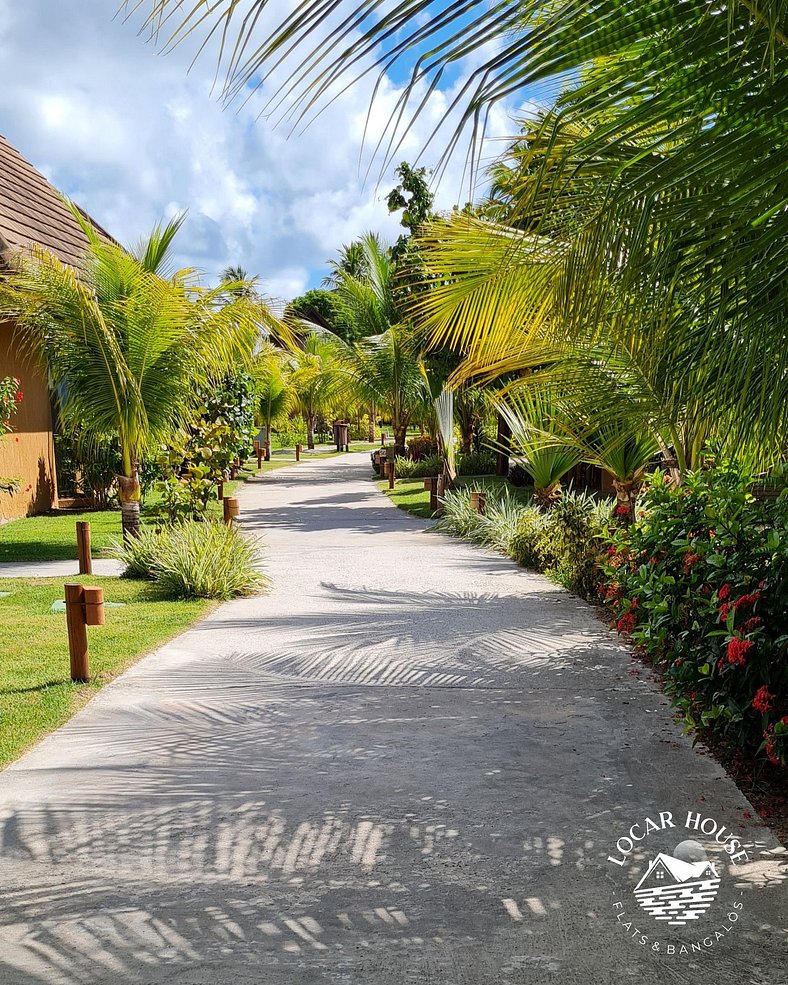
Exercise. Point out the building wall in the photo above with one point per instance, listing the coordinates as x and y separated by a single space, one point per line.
28 452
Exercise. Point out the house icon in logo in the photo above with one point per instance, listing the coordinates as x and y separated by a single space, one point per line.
677 891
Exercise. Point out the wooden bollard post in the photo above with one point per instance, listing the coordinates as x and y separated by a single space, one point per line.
434 504
94 606
83 548
392 474
220 490
382 438
232 509
84 607
428 483
299 448
258 450
479 502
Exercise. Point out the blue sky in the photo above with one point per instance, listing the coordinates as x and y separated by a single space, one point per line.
133 136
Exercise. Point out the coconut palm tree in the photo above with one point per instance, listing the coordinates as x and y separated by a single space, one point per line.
385 361
274 389
318 380
683 101
127 344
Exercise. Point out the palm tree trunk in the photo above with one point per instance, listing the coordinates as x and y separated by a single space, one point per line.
129 492
502 449
310 431
371 433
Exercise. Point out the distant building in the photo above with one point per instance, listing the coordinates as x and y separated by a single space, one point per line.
31 212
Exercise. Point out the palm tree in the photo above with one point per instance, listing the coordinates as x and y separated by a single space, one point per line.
385 362
351 261
545 455
274 389
681 103
318 380
127 349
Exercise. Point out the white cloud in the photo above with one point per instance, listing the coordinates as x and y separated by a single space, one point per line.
133 136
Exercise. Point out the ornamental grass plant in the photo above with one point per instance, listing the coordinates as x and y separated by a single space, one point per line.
195 560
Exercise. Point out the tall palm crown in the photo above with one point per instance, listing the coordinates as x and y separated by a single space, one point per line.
687 99
127 344
384 363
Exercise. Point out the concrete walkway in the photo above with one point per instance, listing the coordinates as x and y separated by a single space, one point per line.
407 765
57 569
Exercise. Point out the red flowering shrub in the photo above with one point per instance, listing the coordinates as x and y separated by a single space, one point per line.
708 568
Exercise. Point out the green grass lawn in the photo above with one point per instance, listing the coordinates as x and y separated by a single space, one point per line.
36 693
411 496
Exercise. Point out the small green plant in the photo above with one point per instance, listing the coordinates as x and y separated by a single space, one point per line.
194 560
139 554
523 547
406 468
476 463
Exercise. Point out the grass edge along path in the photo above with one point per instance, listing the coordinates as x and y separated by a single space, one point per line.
52 536
36 692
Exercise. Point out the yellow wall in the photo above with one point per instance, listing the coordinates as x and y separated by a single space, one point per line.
28 452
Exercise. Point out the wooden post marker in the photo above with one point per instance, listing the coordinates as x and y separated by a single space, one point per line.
382 438
232 509
84 607
479 502
83 548
428 483
299 449
259 452
392 474
94 606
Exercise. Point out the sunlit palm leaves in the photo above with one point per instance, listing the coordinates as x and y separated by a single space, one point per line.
665 156
126 349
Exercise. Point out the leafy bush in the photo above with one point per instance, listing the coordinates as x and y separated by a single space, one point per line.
565 542
700 582
288 439
421 447
570 540
476 463
523 546
194 560
408 469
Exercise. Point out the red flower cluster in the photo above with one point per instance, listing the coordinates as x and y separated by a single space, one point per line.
738 649
622 510
747 600
627 623
763 700
19 397
725 610
690 560
752 623
724 592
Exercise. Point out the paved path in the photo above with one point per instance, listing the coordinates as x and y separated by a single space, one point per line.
407 765
57 569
